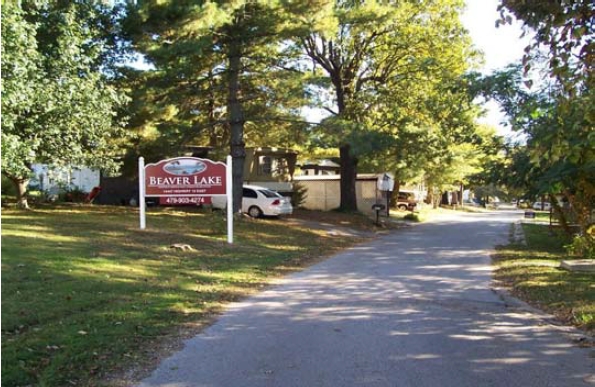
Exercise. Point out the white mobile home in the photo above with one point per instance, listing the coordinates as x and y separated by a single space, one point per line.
54 179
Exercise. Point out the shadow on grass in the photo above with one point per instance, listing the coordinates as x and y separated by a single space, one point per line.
86 293
532 272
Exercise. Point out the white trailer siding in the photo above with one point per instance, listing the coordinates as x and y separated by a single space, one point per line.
54 178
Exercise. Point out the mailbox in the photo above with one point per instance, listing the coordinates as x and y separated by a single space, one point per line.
378 207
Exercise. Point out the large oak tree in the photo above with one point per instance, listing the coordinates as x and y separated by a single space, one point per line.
367 50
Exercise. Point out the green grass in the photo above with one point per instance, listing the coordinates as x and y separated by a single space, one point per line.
427 212
86 294
540 216
532 273
416 216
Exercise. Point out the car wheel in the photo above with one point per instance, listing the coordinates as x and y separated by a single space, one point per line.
402 207
254 212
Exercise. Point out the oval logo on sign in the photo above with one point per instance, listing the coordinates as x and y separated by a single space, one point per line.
184 167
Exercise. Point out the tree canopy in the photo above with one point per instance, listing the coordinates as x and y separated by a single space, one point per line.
557 115
374 58
59 103
219 76
235 73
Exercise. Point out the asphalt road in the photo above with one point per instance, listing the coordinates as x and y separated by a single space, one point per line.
413 308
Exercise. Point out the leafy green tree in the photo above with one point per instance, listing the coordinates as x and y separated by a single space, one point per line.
505 172
59 104
557 157
219 75
562 146
363 52
433 137
561 120
565 29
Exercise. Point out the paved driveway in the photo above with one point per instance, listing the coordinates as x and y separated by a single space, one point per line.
413 308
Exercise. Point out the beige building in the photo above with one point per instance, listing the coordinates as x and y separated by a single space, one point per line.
324 191
270 167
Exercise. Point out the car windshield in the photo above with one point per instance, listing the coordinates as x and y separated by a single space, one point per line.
269 194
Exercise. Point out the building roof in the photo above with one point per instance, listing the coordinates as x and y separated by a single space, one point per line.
360 176
272 150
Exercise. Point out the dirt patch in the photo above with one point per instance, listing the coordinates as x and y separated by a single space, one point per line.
149 358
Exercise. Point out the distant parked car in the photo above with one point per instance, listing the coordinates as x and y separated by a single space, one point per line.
546 206
406 201
258 201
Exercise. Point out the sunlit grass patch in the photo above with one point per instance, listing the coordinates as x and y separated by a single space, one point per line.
85 293
533 273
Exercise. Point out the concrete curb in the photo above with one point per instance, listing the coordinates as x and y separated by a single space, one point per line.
574 334
518 235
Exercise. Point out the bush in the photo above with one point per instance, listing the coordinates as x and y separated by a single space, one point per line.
298 196
583 245
412 217
8 187
73 194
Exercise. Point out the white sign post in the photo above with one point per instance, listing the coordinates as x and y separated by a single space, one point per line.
229 194
141 192
186 177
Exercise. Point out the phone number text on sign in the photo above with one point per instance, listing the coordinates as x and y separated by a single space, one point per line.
184 201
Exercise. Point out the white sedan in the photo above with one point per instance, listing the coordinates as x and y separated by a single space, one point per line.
258 201
546 206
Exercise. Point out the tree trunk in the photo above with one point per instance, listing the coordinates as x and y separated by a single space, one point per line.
444 199
348 179
348 160
331 59
236 122
21 188
581 202
395 193
213 140
562 215
431 198
461 192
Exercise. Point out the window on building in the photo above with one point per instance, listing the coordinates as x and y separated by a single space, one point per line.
265 165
